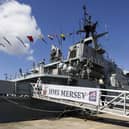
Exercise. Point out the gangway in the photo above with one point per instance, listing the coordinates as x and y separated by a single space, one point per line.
115 102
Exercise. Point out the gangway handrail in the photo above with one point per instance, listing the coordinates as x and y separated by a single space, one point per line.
114 90
116 102
121 99
111 101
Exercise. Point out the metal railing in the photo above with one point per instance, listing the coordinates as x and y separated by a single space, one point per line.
115 102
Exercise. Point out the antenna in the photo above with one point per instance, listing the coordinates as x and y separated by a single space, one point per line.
106 30
6 76
89 28
85 13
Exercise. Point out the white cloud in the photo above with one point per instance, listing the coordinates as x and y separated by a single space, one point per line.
16 20
30 58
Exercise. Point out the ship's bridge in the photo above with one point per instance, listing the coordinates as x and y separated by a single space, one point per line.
83 51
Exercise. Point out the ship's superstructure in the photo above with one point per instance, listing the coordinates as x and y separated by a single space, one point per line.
85 63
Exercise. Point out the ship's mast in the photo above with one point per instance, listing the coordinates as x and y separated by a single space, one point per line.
89 28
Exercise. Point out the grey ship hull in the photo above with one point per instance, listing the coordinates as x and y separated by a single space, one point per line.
27 109
21 108
18 108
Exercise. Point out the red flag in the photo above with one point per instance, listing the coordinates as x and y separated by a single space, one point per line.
30 38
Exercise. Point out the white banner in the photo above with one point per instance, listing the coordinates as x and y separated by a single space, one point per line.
79 94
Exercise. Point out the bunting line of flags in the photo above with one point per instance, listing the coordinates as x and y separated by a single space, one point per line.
1 44
60 37
29 37
7 41
21 41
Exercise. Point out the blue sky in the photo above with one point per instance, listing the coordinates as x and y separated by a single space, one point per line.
56 16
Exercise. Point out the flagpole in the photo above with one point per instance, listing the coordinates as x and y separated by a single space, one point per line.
59 41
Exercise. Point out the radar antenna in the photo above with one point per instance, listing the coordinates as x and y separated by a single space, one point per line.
89 28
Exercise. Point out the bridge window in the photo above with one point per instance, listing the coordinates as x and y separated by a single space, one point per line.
72 53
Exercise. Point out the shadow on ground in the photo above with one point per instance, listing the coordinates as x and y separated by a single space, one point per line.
37 109
106 119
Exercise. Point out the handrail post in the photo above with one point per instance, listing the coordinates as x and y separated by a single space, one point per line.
15 88
125 103
98 107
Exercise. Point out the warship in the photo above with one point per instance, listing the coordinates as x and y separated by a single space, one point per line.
85 66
